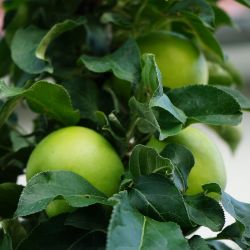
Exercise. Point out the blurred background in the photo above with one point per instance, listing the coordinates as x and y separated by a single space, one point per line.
236 46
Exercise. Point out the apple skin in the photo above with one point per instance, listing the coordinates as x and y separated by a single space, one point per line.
181 63
209 165
82 151
58 206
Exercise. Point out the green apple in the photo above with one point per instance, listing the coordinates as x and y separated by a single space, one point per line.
209 165
181 63
82 151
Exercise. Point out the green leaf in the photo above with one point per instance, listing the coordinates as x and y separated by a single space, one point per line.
46 186
51 234
23 51
85 95
147 122
204 34
218 245
197 243
150 84
207 104
163 102
145 161
221 17
157 197
159 115
129 229
205 211
240 211
9 196
244 2
231 135
183 161
7 108
234 232
5 58
5 241
88 218
15 230
43 97
53 33
199 8
124 62
242 100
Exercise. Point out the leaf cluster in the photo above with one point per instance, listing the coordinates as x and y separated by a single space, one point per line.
62 61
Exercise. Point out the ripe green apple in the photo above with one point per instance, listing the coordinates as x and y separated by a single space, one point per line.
209 165
181 63
82 151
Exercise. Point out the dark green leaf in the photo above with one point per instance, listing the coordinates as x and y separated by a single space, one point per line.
197 243
234 232
90 241
51 234
129 229
9 196
15 230
89 218
207 104
240 211
124 63
221 17
199 8
204 34
205 211
46 186
23 50
44 97
7 108
157 197
244 2
242 100
5 241
145 161
5 58
183 161
85 96
54 32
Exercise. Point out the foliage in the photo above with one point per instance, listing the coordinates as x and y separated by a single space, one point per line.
58 59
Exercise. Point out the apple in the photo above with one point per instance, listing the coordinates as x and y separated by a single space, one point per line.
209 165
82 151
181 62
